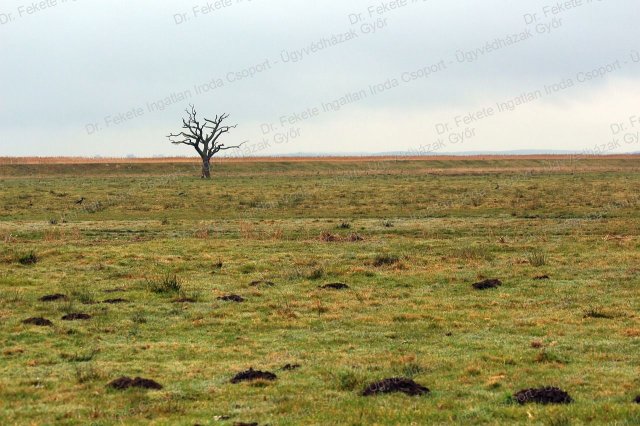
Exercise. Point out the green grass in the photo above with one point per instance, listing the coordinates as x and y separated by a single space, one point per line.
167 284
537 258
160 234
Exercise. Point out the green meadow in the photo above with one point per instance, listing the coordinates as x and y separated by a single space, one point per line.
146 251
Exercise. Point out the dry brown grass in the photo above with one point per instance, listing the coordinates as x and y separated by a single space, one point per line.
332 159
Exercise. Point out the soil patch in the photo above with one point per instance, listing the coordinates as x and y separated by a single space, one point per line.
29 259
291 367
231 298
546 395
262 283
114 290
486 284
251 374
115 301
53 297
542 277
127 382
385 260
185 300
395 384
328 237
76 316
245 424
637 400
335 286
42 322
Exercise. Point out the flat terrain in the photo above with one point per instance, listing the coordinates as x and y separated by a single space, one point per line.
408 236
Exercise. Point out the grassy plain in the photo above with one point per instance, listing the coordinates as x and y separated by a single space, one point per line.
443 224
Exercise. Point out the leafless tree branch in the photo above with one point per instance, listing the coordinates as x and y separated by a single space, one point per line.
203 137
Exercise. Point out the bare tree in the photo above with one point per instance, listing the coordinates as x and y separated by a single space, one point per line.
203 137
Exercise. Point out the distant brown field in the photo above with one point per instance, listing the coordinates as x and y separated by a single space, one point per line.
348 159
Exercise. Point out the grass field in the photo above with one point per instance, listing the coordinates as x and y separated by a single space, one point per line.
409 238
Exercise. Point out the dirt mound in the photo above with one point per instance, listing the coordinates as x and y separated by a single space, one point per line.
291 367
385 260
231 298
542 277
335 286
115 301
245 424
251 374
546 395
486 284
29 259
328 237
127 382
76 316
42 322
53 297
185 300
262 283
395 384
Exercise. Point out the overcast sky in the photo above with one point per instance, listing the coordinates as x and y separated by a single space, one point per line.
112 78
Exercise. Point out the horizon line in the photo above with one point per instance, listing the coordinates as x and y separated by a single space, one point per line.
5 160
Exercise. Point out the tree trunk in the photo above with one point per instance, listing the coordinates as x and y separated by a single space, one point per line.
206 168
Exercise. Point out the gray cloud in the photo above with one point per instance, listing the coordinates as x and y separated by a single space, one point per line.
80 62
